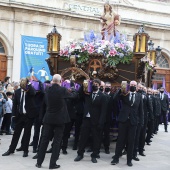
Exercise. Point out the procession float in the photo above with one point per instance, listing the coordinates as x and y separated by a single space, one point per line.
107 55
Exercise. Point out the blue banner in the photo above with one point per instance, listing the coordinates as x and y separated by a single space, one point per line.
33 55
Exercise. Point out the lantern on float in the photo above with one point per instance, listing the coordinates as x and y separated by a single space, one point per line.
53 39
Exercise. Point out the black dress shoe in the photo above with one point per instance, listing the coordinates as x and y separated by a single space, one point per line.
166 130
64 152
38 165
107 151
54 167
142 154
31 144
98 156
9 133
7 153
129 164
135 158
34 151
1 133
89 150
25 154
49 151
74 147
35 157
148 143
78 158
115 161
19 149
94 160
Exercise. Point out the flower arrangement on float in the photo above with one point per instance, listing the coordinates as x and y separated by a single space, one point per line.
117 50
149 64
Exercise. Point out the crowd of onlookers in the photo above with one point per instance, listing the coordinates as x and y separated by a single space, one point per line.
7 89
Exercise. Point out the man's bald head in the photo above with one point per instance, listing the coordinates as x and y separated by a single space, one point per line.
56 79
133 83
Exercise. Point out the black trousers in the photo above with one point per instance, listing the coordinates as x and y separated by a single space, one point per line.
125 131
67 129
106 135
135 149
86 128
6 123
25 123
142 137
46 135
37 126
150 130
164 115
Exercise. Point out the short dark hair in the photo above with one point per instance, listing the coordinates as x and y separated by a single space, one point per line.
9 93
6 79
47 81
97 81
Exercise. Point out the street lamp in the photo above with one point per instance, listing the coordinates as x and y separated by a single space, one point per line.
152 52
158 51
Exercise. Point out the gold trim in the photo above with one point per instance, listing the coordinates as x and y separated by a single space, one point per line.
126 71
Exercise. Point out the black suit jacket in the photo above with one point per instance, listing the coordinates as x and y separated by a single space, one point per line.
134 112
56 108
164 103
30 105
110 107
97 108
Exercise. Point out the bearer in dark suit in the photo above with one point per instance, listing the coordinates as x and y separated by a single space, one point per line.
94 119
164 107
24 110
109 111
55 117
130 115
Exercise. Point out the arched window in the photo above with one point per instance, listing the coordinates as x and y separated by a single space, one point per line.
162 62
2 50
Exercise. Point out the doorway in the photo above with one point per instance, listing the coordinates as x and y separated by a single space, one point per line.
3 63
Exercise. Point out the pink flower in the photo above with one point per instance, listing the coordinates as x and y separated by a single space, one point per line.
91 50
112 52
83 49
122 46
61 52
73 46
151 63
65 52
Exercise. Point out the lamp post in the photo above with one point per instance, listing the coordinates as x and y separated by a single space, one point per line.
158 51
53 49
152 52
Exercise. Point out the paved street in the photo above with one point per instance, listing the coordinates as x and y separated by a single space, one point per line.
157 157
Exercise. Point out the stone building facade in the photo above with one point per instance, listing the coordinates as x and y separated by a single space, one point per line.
73 18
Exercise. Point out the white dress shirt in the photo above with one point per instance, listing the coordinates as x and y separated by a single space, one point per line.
24 111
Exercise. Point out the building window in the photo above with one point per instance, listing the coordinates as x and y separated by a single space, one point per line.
2 50
162 62
159 77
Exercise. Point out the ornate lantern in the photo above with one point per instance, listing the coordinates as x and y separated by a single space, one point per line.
158 51
53 39
140 39
152 52
53 49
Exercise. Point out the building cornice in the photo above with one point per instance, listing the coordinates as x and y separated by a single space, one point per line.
67 14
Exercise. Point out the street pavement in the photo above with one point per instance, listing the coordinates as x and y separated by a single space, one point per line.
157 157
